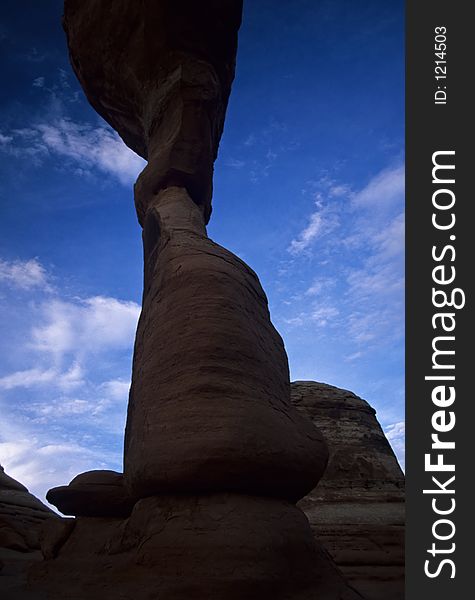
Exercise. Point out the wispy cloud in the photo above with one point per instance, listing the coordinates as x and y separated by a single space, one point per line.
320 223
24 275
84 326
234 163
39 82
63 406
396 435
91 147
383 191
360 284
37 377
84 148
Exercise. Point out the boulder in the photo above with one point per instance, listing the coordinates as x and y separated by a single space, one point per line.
93 494
357 510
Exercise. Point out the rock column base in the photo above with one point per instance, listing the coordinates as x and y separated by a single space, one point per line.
216 547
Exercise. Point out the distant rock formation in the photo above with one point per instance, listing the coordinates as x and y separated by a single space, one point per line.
21 518
357 509
215 453
21 515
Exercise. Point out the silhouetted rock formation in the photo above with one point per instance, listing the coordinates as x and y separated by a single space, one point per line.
209 406
215 452
21 519
357 510
21 515
93 494
219 546
160 72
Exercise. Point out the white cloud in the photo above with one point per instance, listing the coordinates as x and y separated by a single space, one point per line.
321 222
390 240
39 82
319 285
324 314
117 389
24 275
395 433
41 465
35 377
5 139
361 269
87 147
234 163
385 190
85 326
367 283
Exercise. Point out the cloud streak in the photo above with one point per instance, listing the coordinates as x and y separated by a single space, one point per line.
24 275
87 148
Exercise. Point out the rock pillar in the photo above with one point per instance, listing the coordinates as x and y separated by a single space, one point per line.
215 453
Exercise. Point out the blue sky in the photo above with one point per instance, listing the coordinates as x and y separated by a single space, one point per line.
309 191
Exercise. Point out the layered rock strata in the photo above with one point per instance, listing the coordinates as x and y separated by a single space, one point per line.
209 407
21 518
182 547
357 510
215 453
21 515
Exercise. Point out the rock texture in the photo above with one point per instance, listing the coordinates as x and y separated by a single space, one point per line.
93 494
357 510
21 518
195 547
160 72
209 406
215 452
21 515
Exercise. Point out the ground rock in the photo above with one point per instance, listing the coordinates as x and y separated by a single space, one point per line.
357 510
209 407
93 494
194 547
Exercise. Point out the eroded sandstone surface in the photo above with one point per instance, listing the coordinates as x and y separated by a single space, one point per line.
160 73
215 453
21 518
357 509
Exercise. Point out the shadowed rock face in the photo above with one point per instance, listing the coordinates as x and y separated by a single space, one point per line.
21 519
21 515
209 407
213 547
357 510
93 494
160 72
214 449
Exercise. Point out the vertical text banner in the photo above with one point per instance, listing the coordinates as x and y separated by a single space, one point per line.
440 259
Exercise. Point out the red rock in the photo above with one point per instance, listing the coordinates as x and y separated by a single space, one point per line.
357 510
21 518
209 406
93 494
160 72
212 547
